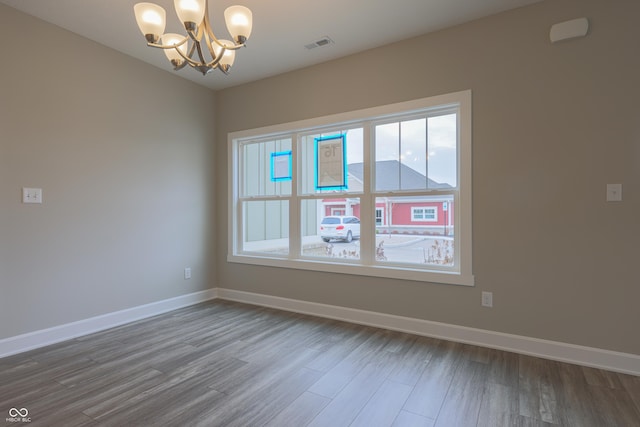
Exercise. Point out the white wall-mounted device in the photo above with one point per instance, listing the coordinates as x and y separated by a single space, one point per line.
569 30
31 195
614 192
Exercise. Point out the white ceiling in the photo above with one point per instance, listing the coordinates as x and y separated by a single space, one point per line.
281 28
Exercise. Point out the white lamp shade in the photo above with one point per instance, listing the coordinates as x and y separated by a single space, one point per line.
190 10
239 21
229 55
151 18
174 39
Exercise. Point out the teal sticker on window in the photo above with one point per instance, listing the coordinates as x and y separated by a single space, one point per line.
281 166
331 162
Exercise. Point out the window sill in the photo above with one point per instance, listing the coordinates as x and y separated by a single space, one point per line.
390 272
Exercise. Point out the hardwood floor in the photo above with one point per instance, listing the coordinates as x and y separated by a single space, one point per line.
229 364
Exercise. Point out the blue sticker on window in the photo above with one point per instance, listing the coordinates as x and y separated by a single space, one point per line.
331 162
281 166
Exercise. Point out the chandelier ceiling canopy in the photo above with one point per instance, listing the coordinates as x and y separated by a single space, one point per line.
200 48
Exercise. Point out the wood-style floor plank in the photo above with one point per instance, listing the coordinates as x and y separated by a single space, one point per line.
538 383
499 406
301 411
384 406
413 362
228 364
433 385
347 404
339 376
251 407
407 419
632 386
461 406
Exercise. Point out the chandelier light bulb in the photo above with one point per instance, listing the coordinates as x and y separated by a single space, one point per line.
229 55
239 20
171 39
190 12
151 20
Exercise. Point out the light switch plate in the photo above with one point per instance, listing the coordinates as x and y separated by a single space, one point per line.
614 192
31 195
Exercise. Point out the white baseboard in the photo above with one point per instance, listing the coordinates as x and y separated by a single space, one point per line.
44 337
570 353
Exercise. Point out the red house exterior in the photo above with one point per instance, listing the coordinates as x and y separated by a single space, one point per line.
398 215
401 215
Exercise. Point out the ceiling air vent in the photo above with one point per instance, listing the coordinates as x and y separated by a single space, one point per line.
324 41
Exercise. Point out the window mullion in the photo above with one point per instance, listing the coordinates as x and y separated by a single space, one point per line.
367 204
426 159
295 228
400 155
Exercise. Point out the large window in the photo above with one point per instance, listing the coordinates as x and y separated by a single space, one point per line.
382 192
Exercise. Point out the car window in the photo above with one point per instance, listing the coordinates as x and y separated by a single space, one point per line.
331 221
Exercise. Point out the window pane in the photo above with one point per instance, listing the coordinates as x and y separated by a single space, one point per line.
331 228
443 138
387 157
265 166
266 226
353 160
401 155
379 212
417 154
415 230
413 157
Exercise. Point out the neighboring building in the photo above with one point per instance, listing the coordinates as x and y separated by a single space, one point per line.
401 215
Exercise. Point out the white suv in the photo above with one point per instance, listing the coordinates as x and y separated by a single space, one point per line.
344 228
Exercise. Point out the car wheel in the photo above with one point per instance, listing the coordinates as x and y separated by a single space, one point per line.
325 239
349 237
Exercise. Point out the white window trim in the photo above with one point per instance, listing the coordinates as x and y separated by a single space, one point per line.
462 100
424 208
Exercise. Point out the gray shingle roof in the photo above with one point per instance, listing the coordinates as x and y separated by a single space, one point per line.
393 175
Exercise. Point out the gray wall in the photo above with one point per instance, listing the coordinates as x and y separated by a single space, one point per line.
123 152
552 125
124 155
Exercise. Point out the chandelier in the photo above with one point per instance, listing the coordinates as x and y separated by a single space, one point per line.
190 49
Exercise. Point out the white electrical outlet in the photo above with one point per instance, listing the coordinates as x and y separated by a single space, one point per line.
487 299
187 273
614 192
